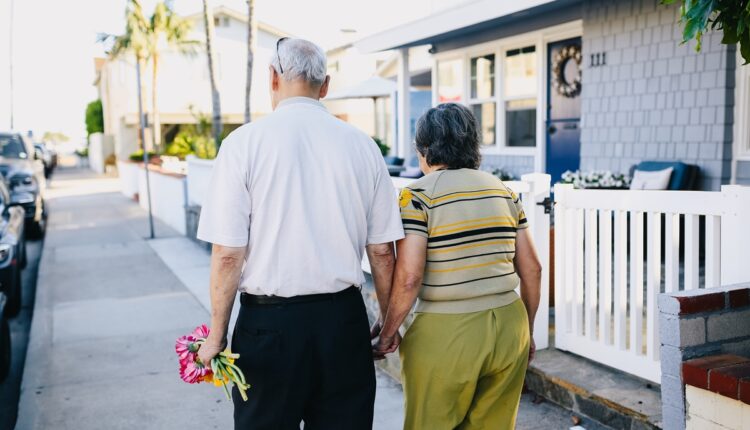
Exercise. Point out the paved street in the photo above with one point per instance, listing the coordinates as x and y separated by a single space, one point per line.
110 304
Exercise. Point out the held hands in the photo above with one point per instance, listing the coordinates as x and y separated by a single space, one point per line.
211 348
385 344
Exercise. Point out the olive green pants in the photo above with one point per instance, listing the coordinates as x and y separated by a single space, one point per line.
465 371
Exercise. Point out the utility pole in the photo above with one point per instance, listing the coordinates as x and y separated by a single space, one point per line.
141 127
10 63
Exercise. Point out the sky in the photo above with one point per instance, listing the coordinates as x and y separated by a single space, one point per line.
55 43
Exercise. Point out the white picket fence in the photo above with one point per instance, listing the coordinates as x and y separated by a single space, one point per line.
609 267
533 189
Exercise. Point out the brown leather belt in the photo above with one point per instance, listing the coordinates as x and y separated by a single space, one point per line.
250 299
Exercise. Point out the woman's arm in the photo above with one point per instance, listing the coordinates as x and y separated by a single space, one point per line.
411 254
529 269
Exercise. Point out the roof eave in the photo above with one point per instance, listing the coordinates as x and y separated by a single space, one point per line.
422 31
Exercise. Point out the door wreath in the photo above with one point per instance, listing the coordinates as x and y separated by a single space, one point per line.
559 83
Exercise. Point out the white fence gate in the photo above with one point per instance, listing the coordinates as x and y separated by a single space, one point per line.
533 189
609 266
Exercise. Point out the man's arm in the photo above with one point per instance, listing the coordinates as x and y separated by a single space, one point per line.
226 268
382 263
529 269
407 282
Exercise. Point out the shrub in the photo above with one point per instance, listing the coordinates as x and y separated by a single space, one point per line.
138 155
383 147
94 117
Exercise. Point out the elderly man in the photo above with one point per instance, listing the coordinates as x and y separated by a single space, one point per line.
298 196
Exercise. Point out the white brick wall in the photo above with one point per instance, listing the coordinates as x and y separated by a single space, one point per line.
655 98
707 410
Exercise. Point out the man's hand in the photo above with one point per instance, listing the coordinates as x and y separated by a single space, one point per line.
376 327
210 349
532 349
385 345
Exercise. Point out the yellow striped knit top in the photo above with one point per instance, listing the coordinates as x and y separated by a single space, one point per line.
470 219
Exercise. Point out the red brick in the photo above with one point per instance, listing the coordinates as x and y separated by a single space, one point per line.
745 390
702 303
726 380
695 371
739 298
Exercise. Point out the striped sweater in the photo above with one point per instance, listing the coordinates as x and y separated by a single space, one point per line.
470 219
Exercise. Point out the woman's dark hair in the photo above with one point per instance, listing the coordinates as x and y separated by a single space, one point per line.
449 134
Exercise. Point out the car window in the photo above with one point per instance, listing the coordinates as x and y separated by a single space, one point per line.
12 147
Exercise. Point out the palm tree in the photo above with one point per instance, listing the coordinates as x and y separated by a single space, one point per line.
165 27
134 41
251 26
208 23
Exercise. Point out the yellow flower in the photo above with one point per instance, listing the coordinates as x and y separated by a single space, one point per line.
404 198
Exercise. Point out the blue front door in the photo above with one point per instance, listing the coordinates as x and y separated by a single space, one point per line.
563 107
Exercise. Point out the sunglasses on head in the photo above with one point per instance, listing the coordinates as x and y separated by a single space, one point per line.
278 43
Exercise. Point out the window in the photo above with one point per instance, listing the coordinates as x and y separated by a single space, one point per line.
450 80
520 122
501 87
485 113
520 97
11 146
483 77
482 96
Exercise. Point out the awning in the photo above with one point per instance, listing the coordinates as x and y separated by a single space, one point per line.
450 20
369 88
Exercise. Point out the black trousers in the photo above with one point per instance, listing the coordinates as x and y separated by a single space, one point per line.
308 361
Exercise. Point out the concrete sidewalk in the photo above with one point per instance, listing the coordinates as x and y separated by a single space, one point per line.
108 309
110 304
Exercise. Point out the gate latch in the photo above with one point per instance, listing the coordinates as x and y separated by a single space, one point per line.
547 203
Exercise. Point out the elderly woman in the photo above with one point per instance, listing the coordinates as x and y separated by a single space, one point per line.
465 252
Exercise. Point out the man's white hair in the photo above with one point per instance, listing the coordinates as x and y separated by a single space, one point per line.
300 60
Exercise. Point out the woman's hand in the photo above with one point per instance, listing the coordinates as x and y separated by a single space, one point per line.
532 349
385 345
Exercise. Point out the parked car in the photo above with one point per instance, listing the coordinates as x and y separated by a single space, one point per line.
48 157
5 341
22 168
12 249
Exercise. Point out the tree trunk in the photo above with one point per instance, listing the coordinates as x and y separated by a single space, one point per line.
154 106
141 135
251 26
208 21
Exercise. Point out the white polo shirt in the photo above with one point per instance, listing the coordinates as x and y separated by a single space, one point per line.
306 191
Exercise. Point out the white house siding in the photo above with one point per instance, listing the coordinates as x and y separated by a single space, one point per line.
516 165
655 99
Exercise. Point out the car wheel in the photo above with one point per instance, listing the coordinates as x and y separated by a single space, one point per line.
5 346
14 295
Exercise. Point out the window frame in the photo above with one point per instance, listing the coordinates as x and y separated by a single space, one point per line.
540 39
497 48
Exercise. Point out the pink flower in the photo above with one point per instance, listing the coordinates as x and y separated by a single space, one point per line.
194 372
201 332
186 348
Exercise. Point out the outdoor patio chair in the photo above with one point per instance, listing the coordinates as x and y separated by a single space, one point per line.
684 176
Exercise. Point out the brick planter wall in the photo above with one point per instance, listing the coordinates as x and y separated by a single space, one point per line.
697 324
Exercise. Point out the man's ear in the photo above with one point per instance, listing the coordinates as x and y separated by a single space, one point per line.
274 79
324 88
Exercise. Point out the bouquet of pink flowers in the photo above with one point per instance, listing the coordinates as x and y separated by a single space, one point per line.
222 372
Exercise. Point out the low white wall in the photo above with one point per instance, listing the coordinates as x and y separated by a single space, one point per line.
168 197
100 147
128 173
198 178
708 410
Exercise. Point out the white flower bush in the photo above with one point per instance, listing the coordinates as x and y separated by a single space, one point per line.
596 179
